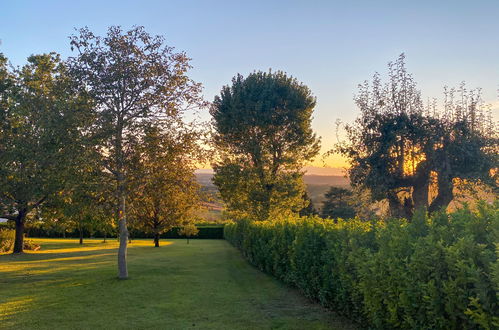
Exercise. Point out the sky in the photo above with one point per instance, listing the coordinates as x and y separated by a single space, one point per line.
331 46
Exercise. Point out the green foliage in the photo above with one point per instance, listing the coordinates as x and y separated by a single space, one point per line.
45 119
338 204
438 272
164 192
397 145
135 80
189 230
6 239
309 209
263 134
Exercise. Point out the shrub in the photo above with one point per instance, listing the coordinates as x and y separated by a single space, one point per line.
6 239
432 273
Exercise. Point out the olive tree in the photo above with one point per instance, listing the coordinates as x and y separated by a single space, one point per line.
399 146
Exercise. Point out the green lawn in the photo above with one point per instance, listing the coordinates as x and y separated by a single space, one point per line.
203 285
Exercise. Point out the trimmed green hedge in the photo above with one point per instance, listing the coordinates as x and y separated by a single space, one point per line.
205 232
433 273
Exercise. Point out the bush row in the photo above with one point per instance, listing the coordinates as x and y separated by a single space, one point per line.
205 232
432 273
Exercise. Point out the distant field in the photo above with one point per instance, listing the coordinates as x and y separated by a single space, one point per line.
317 186
202 285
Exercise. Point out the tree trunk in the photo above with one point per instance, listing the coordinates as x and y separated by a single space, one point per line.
156 239
445 194
395 206
187 240
421 186
81 236
122 251
19 239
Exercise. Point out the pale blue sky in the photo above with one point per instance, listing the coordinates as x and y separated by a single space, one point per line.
329 45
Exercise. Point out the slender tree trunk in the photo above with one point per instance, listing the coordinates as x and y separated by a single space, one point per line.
122 251
156 239
81 235
19 239
187 240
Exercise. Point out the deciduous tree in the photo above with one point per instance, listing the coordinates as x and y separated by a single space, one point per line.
263 133
397 145
134 78
44 124
189 230
165 193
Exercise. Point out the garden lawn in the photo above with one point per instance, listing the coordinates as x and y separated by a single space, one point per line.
202 285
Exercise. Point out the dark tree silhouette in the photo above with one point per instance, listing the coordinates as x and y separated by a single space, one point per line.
397 146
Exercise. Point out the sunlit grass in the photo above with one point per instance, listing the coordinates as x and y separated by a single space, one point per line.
205 284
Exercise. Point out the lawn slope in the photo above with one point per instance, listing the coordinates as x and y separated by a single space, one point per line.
203 285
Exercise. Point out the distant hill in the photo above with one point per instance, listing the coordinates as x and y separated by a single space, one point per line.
317 186
326 180
322 180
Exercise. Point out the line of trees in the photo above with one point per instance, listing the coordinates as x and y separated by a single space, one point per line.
101 138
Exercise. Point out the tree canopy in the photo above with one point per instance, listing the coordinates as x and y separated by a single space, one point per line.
398 147
164 191
262 130
339 203
45 121
134 79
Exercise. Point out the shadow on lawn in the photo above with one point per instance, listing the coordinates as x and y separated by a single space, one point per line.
36 279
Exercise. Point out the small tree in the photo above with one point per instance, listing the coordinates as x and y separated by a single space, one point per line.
339 203
164 191
189 231
309 209
264 137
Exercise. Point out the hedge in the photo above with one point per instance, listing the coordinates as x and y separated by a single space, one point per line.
432 273
205 232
